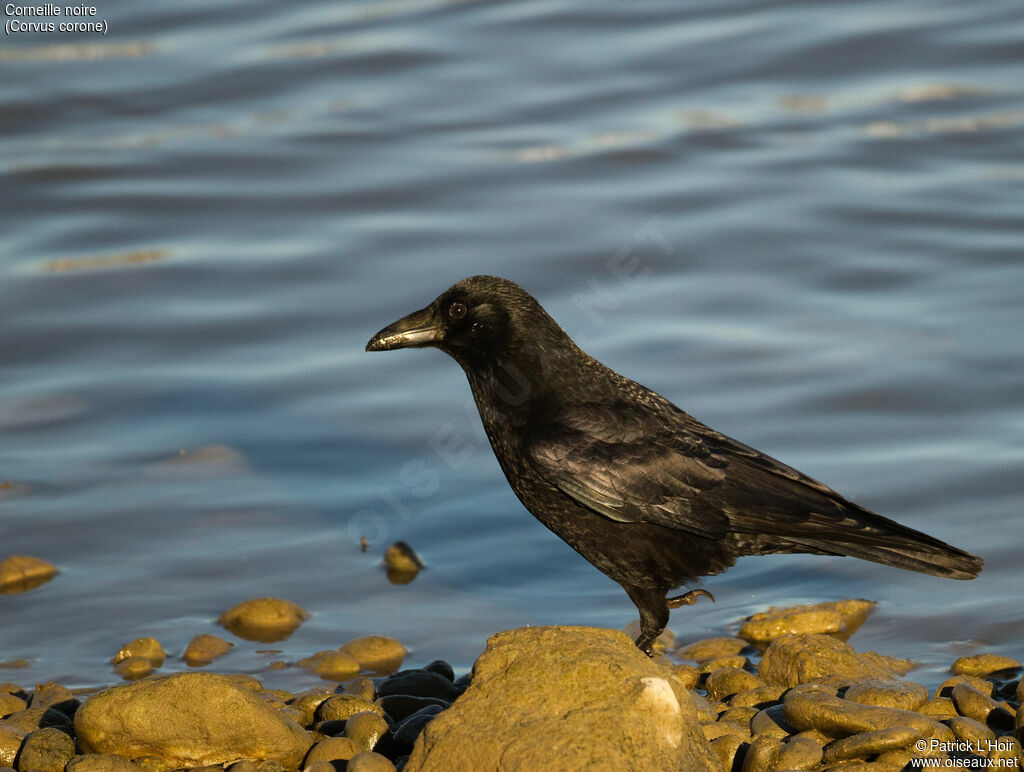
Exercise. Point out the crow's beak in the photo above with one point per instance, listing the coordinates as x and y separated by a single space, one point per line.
417 329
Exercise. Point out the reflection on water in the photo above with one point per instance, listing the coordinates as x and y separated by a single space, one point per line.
801 223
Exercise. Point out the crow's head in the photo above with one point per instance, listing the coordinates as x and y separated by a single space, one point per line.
478 321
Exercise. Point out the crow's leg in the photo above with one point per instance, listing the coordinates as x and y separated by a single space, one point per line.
653 615
688 598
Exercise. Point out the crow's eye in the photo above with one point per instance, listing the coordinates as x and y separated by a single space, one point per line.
456 311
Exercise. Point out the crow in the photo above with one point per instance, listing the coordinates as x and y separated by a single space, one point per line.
646 493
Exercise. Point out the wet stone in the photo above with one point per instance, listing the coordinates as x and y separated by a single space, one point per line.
367 761
20 573
341 706
973 733
45 750
799 753
709 666
402 563
717 729
362 687
711 648
100 762
376 653
705 710
149 648
740 715
406 732
264 619
418 683
795 659
399 706
905 695
838 717
332 749
331 665
974 704
762 754
10 741
983 664
771 722
133 668
761 697
725 749
365 729
946 687
204 649
442 668
10 703
939 708
30 719
871 743
51 695
768 627
687 675
727 681
307 702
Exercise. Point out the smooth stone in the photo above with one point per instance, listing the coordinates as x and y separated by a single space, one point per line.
264 619
20 573
742 715
10 741
836 716
760 697
32 719
769 627
341 706
376 653
762 755
705 710
637 714
365 729
983 664
406 732
400 705
52 695
771 722
442 668
687 675
905 695
307 702
367 761
318 766
945 689
1007 751
709 666
188 720
939 708
45 750
795 659
10 703
972 732
418 683
725 748
134 668
362 687
799 753
149 648
711 648
870 743
727 681
974 704
332 665
401 557
101 762
204 649
717 729
332 749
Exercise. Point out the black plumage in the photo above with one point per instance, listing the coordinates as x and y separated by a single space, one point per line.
645 492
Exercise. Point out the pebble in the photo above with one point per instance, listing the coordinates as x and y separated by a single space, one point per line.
9 703
10 742
45 750
972 732
100 762
762 755
983 664
905 695
796 659
719 728
133 668
759 697
398 706
442 668
687 675
771 722
711 648
870 743
768 627
418 683
149 648
939 708
402 563
742 715
405 733
332 665
725 749
365 729
264 619
799 753
836 716
341 706
376 653
945 689
307 702
727 681
711 665
367 761
20 573
204 649
974 704
332 749
362 687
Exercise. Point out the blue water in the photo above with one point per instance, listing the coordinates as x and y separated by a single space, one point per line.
802 222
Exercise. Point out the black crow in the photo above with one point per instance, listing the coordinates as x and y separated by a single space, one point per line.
647 493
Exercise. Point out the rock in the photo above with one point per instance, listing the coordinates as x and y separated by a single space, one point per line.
946 687
973 733
362 687
332 749
204 649
368 761
905 695
376 653
717 729
799 753
20 573
404 734
762 755
442 668
637 714
727 681
149 648
795 659
709 666
724 748
939 708
31 719
11 703
838 717
398 706
341 706
100 762
870 743
687 675
710 648
10 742
761 697
45 750
332 665
365 729
974 704
418 683
188 720
263 619
771 722
842 617
307 702
134 668
402 563
982 665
